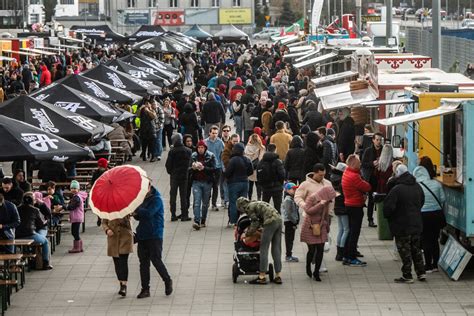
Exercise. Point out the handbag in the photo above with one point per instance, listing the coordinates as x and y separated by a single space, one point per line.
316 228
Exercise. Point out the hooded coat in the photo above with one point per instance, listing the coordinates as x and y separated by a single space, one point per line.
240 166
121 242
76 207
346 137
274 183
402 206
312 152
238 88
308 187
260 213
431 204
179 159
354 188
45 78
151 217
294 160
9 219
189 121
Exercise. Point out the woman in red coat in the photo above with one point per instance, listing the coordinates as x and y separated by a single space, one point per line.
317 212
45 78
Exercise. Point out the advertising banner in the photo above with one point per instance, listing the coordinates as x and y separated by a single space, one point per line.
316 15
168 18
207 16
134 17
235 16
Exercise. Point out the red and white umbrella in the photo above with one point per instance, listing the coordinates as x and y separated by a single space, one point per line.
118 192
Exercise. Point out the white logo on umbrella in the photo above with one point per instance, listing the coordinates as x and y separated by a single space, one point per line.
137 74
41 97
96 89
98 103
163 46
149 70
44 121
178 47
116 80
39 142
83 122
147 46
70 106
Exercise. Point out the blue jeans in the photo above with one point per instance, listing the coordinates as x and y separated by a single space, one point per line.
42 232
40 239
342 230
159 143
238 125
224 188
236 190
201 196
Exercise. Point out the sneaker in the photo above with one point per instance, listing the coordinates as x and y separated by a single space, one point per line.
428 270
277 280
357 263
159 158
404 280
215 208
422 277
434 270
346 262
291 259
144 293
196 226
259 280
174 218
323 270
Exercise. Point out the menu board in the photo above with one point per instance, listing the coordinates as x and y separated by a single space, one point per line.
454 258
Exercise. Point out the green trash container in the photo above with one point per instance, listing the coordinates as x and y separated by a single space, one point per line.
382 224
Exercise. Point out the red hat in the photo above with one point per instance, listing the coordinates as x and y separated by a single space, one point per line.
281 106
102 163
238 81
222 87
257 130
201 143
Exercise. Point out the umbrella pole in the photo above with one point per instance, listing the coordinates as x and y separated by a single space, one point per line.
25 165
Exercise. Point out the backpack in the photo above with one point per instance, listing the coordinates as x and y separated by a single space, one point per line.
266 173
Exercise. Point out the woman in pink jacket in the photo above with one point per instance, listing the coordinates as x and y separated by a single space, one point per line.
317 212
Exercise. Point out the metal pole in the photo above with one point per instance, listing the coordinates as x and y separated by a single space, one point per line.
388 25
457 18
304 9
329 12
359 15
436 34
335 9
342 8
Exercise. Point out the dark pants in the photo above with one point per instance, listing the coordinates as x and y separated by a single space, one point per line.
150 250
167 133
370 207
409 248
259 190
121 267
75 228
315 252
432 224
356 214
148 144
182 185
276 196
247 135
290 229
215 186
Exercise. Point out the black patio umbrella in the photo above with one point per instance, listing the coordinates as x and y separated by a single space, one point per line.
98 89
161 44
22 141
182 38
78 102
135 72
158 63
71 126
154 69
121 80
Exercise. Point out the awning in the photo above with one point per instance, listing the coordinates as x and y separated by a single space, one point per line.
348 99
72 39
296 54
66 46
289 40
378 103
338 76
4 58
38 51
297 44
308 54
20 53
301 48
338 88
314 61
446 108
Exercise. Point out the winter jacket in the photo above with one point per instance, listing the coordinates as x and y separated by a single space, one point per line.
151 217
227 153
238 88
29 217
423 178
294 120
216 147
45 78
240 167
317 213
367 169
280 115
402 206
266 122
308 187
314 119
15 195
294 160
282 140
354 188
147 125
289 210
189 121
336 180
275 183
121 242
329 156
346 137
248 124
9 219
209 162
76 207
312 152
119 133
178 161
252 152
212 113
260 213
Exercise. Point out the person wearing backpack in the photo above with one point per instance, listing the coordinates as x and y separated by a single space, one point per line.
270 177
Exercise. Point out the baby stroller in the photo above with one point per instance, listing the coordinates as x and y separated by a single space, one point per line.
246 255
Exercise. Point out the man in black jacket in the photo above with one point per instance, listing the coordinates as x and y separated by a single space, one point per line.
270 177
402 208
212 113
11 192
346 137
9 220
177 164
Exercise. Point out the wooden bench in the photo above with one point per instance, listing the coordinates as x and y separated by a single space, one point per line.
5 293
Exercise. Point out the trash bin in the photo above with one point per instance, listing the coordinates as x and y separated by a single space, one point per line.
382 229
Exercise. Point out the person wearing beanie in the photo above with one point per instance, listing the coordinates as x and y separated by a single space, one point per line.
203 166
291 218
354 189
402 208
237 88
76 214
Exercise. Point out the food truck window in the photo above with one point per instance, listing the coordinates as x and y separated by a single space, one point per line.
449 140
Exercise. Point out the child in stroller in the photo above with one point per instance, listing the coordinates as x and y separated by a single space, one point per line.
247 251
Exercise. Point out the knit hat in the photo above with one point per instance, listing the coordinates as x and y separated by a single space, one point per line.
290 185
305 130
401 169
222 88
74 185
102 163
281 106
257 130
201 143
248 82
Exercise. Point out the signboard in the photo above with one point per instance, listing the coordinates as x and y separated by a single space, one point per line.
134 17
235 16
370 18
316 15
209 16
454 258
168 18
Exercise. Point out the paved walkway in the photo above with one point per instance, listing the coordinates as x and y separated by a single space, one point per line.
200 264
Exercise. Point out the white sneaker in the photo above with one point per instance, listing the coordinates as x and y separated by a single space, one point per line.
323 270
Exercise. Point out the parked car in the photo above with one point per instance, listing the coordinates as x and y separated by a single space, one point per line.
265 34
